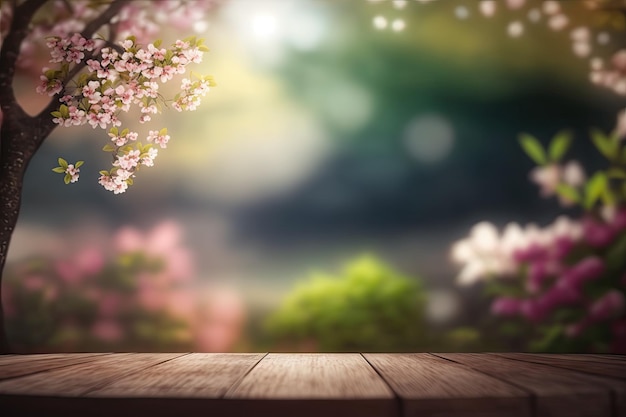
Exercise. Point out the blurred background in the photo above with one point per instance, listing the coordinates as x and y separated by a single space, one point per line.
312 200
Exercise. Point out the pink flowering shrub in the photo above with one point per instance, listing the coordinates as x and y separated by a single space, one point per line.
136 292
562 286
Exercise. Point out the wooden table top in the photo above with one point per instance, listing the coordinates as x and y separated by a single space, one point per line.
316 384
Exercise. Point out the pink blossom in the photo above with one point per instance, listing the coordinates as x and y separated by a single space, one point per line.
128 161
128 239
536 276
618 222
608 306
34 282
156 137
148 160
89 260
506 306
533 310
597 233
107 330
576 330
109 304
585 270
68 272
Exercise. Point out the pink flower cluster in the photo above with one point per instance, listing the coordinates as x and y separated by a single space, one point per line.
584 39
140 18
555 263
191 92
114 82
127 159
612 76
135 285
549 177
73 172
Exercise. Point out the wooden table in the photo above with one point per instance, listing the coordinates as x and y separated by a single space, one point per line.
294 385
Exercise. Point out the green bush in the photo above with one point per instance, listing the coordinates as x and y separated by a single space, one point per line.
369 307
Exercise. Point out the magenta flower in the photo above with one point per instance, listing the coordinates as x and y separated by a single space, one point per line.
585 270
506 306
597 234
608 306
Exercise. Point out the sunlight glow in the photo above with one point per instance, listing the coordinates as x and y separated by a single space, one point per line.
264 26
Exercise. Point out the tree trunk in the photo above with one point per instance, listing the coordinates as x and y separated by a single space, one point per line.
20 134
13 163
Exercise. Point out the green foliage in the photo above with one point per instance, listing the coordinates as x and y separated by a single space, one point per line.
559 145
608 146
533 148
607 187
369 307
594 189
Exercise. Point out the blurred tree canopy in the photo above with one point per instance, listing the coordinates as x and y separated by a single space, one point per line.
367 307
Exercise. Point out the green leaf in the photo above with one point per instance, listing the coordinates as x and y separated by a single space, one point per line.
65 111
125 132
56 114
607 197
108 148
130 181
203 48
559 145
67 178
157 43
615 258
568 192
604 144
59 170
62 162
78 164
594 189
533 148
114 131
618 173
104 172
163 131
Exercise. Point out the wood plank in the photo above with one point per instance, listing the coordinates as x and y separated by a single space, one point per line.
205 375
614 369
432 386
12 359
618 356
80 378
314 385
22 366
582 357
558 392
16 357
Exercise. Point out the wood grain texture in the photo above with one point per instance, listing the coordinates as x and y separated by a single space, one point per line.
315 385
204 375
21 365
596 366
557 391
432 386
308 385
80 378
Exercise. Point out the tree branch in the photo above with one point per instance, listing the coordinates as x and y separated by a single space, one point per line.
22 16
105 18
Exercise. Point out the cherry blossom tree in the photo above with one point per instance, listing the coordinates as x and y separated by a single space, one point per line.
104 61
